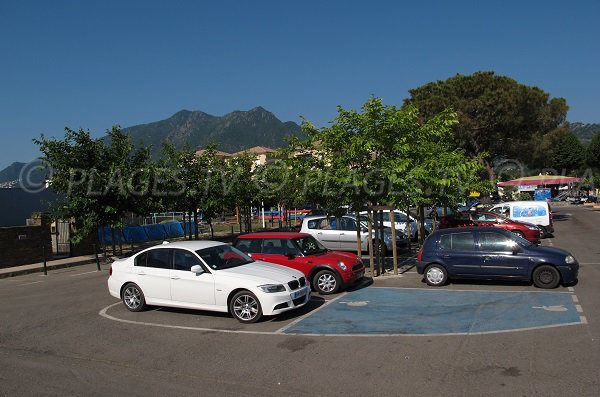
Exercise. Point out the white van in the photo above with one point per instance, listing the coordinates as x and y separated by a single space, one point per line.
537 212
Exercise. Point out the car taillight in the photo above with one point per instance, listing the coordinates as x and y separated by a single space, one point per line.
110 271
420 255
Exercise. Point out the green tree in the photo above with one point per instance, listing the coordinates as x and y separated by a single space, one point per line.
98 181
496 115
592 153
240 188
569 154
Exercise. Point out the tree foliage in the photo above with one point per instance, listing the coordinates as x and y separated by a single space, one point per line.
592 153
496 115
569 154
98 182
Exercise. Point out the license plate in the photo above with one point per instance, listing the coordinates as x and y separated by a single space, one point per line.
298 294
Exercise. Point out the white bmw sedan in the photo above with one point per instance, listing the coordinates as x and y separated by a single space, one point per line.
207 275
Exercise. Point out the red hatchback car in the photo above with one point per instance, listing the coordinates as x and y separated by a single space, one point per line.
528 231
327 271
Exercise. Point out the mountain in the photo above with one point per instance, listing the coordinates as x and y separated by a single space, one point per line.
584 131
233 132
31 173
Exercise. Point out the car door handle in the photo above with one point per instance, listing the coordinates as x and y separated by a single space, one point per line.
319 232
141 273
446 256
487 258
174 277
260 259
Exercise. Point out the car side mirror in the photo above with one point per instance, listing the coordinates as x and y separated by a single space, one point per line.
197 269
516 249
290 255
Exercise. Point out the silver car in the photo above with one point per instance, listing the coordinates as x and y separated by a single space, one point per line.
340 233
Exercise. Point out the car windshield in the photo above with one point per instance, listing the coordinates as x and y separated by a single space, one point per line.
223 257
310 245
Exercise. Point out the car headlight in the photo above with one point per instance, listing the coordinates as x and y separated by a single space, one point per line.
270 288
342 265
569 260
533 227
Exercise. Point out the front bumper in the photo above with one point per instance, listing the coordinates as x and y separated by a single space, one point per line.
569 273
276 303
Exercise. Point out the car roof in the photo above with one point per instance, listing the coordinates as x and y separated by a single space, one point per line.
274 235
471 229
190 245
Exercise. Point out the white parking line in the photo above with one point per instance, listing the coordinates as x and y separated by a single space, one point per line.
81 274
281 330
575 299
33 282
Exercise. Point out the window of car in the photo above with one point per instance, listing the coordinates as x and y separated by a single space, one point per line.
348 224
278 246
484 218
223 257
322 223
464 241
249 245
140 260
310 246
398 217
494 242
184 260
159 258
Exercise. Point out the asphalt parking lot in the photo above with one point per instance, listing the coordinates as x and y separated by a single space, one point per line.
63 334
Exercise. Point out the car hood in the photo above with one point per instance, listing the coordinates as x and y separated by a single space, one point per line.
263 272
542 250
335 256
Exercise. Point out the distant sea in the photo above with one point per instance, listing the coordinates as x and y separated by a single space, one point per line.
17 205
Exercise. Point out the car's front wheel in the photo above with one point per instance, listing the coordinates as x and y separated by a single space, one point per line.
245 307
518 233
326 282
436 275
546 277
133 297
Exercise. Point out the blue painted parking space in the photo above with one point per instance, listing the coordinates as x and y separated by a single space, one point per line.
400 311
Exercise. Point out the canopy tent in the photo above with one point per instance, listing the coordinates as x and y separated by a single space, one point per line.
541 180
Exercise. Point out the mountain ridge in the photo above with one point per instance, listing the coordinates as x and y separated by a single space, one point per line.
233 132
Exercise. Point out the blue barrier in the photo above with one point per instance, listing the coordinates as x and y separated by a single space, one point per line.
186 227
174 229
155 232
134 234
108 236
142 234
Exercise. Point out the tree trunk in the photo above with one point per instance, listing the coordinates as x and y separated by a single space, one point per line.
196 223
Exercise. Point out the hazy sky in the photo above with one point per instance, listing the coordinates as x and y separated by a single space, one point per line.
94 64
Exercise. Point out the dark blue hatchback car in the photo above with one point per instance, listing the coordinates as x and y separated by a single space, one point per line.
490 253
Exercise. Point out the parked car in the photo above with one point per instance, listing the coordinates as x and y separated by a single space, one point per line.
407 224
342 236
537 212
207 275
528 231
491 253
327 271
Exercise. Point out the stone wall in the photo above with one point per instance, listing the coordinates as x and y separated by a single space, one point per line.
22 245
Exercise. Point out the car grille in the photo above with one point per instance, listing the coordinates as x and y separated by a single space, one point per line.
297 283
358 266
298 301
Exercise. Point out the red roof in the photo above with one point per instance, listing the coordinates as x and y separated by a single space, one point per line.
541 180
